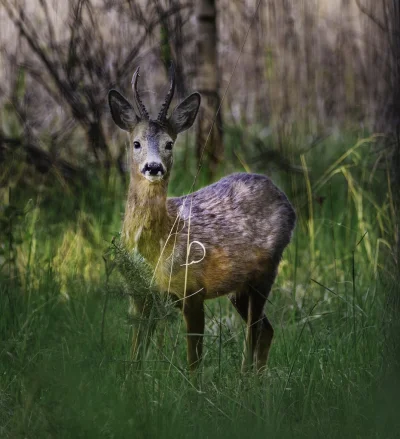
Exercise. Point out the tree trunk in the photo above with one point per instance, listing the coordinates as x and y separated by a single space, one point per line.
207 86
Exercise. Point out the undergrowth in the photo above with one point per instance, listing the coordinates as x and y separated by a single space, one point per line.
66 332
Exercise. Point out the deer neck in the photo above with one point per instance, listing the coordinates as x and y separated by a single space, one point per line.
146 223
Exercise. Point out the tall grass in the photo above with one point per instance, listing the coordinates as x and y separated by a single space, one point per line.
65 365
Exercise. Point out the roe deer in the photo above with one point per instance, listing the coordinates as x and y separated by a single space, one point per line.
226 238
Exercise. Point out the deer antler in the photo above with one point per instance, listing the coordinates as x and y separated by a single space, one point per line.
142 109
162 115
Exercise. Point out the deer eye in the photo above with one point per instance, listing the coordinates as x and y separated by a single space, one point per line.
168 146
136 145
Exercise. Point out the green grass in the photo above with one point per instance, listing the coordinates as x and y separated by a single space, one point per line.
65 368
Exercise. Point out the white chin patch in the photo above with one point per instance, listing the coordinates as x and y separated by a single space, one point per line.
153 178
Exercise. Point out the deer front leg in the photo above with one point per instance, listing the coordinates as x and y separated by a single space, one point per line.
144 326
193 312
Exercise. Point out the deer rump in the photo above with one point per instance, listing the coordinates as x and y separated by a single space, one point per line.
227 236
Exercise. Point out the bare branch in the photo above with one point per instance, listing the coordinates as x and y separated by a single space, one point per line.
372 16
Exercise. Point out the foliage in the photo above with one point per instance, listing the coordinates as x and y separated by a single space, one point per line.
65 366
318 63
138 279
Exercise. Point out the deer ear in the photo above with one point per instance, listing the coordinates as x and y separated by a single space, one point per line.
122 111
185 113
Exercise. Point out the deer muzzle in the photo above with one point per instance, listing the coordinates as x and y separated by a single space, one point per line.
153 171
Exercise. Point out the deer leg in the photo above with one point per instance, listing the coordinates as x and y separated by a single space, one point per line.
193 312
265 330
259 332
241 303
264 341
250 307
255 315
144 327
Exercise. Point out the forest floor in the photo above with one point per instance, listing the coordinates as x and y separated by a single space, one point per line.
65 333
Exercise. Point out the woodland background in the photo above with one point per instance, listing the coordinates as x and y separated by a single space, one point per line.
311 66
307 91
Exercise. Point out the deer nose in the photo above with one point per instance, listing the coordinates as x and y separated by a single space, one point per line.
153 169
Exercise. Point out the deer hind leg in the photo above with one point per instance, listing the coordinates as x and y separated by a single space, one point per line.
265 332
193 312
241 301
256 333
264 342
250 306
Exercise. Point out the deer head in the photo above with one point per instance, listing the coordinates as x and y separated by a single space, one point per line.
152 140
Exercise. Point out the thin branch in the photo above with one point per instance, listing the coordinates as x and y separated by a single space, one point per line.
21 23
374 18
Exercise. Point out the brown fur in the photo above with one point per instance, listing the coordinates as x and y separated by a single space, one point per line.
243 245
226 238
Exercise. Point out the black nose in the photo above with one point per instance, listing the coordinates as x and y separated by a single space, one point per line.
153 169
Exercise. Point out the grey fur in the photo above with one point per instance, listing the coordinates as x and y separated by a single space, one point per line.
241 215
227 238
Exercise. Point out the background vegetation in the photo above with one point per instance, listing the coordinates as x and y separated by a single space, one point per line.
312 101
